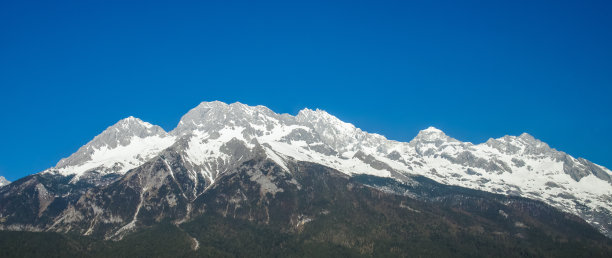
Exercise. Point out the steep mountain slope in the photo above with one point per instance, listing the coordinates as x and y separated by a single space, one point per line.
121 147
163 175
261 209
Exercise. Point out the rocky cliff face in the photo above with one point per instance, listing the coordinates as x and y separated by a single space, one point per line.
135 173
260 208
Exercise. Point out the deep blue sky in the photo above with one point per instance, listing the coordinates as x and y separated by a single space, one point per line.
69 69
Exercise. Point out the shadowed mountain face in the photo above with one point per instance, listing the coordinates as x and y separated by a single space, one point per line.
260 209
312 180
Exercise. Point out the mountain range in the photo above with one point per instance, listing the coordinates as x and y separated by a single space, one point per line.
296 175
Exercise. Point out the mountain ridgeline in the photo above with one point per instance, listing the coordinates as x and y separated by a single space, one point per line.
236 180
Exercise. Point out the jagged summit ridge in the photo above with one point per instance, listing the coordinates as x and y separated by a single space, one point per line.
122 146
314 127
523 144
214 138
215 115
432 134
120 134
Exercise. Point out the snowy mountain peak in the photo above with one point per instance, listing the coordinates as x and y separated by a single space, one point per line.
214 137
213 116
432 129
131 121
432 135
309 115
325 123
316 114
337 134
524 144
3 181
130 126
121 133
121 146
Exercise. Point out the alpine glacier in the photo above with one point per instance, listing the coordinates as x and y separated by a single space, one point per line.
214 138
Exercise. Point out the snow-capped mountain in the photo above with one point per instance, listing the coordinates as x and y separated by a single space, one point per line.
123 146
3 181
215 138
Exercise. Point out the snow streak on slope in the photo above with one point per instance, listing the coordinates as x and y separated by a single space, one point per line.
215 137
122 158
126 145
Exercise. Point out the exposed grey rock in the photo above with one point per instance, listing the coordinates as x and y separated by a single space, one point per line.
213 116
431 135
553 185
470 171
370 160
175 176
467 158
595 170
235 148
337 134
518 162
300 134
504 146
119 134
579 168
394 155
524 144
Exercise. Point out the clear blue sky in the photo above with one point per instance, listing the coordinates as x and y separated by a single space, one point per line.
475 69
